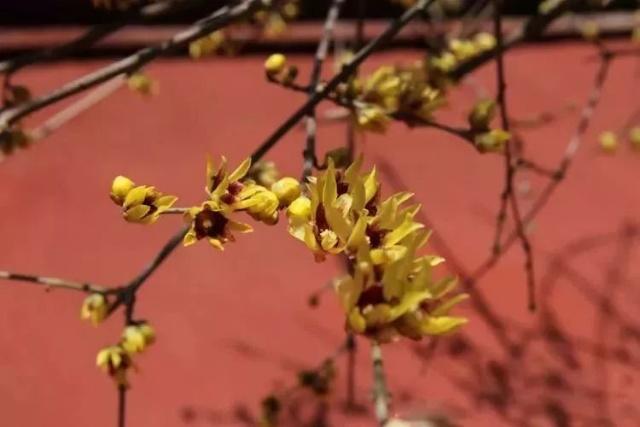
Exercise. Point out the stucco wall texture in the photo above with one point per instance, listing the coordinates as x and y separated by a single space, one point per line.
234 326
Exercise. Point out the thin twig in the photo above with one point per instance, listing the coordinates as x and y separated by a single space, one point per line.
380 392
346 71
508 196
122 405
309 153
54 282
565 163
352 350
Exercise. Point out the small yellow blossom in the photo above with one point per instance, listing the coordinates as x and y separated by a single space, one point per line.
445 62
634 137
492 141
260 203
484 41
95 308
590 30
211 221
608 142
263 173
142 204
275 64
136 338
403 300
481 115
115 361
372 118
286 189
120 188
207 45
142 84
463 49
274 26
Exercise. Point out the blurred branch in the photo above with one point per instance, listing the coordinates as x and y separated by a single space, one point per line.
380 392
217 20
309 152
54 282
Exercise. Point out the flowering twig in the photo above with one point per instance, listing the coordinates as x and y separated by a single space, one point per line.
380 392
346 71
309 152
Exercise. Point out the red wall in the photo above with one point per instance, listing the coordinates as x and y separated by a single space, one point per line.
234 326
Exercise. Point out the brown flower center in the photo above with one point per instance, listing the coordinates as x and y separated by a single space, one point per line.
210 223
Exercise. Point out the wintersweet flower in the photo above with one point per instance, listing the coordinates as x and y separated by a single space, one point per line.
142 204
210 221
95 308
401 299
136 338
116 362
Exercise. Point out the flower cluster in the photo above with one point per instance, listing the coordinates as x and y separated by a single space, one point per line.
485 138
272 22
227 192
117 360
142 204
389 290
407 92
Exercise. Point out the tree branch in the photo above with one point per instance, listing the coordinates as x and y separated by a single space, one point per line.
380 393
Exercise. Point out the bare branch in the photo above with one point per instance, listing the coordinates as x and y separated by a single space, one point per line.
380 392
54 282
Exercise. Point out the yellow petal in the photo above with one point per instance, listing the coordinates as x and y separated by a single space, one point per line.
444 308
441 325
135 196
165 202
357 236
409 302
241 170
357 322
407 227
348 290
216 243
189 238
136 213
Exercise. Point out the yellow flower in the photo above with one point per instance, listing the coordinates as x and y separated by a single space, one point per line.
608 142
136 338
400 299
94 308
481 115
142 84
463 49
142 204
286 190
258 202
223 186
207 45
210 221
263 173
492 141
115 361
484 41
372 118
120 188
634 137
444 63
275 64
590 30
333 218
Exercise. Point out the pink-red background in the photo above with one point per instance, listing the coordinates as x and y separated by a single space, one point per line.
234 326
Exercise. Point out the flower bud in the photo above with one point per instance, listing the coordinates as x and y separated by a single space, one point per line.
492 141
481 115
120 188
136 338
634 137
94 308
300 208
141 83
485 41
275 64
286 189
608 142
